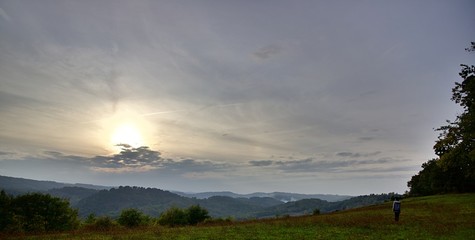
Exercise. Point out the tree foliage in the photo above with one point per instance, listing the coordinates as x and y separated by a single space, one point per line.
454 169
196 214
173 217
36 212
102 223
132 218
179 217
6 215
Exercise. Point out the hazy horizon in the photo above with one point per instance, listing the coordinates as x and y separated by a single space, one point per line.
324 97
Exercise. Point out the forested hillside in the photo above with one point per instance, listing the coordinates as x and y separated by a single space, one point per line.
153 202
17 186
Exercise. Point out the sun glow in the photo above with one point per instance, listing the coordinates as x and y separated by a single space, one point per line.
127 133
125 127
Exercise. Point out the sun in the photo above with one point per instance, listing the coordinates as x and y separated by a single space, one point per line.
127 133
124 127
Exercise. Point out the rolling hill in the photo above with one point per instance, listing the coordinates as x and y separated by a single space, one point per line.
100 200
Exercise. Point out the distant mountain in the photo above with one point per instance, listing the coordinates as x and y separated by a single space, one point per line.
16 186
151 201
154 201
307 206
281 196
100 200
204 195
301 207
73 194
240 208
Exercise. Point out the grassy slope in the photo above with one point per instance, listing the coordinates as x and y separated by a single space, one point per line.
435 217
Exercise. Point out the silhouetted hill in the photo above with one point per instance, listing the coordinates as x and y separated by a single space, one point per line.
73 194
154 201
110 201
281 196
221 206
307 206
151 201
301 207
17 186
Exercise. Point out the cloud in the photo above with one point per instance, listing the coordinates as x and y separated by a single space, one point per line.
366 138
12 100
192 165
5 153
205 175
357 155
4 15
309 165
141 158
261 163
267 51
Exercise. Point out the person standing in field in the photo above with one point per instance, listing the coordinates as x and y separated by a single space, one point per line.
396 209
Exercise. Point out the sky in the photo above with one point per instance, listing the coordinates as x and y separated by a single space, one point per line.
335 97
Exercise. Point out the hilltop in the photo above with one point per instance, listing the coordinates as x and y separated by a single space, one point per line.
100 200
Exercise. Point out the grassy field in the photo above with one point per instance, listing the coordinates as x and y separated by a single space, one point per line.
435 217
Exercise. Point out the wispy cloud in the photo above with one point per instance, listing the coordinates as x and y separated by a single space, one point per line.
310 165
268 51
261 163
357 154
5 153
4 15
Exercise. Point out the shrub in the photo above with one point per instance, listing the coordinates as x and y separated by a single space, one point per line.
173 217
196 214
90 219
37 212
131 218
316 211
103 223
218 221
179 217
6 215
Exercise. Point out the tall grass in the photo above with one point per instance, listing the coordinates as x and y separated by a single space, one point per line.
435 217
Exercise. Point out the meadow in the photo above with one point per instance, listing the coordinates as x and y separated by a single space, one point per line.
433 217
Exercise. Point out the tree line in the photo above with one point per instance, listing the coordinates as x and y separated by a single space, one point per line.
37 212
454 168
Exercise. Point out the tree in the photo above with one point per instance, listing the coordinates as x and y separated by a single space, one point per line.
173 217
102 223
454 170
196 214
6 215
430 180
131 218
36 212
316 211
179 217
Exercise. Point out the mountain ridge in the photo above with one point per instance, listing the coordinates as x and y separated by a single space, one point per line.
282 196
17 185
153 201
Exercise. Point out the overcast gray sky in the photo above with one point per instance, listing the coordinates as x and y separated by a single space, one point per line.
298 96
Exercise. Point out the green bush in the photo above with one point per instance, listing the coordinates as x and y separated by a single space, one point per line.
6 215
179 217
173 217
36 212
103 223
132 218
316 211
196 214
